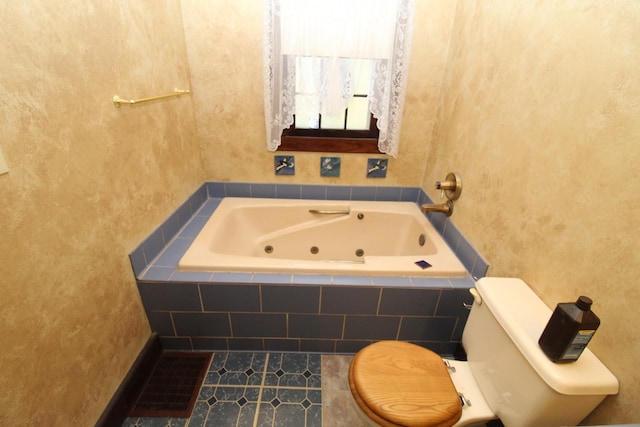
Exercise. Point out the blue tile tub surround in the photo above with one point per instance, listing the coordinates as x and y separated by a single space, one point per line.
314 318
151 247
296 312
185 223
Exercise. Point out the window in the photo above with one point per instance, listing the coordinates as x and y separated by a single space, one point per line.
353 129
336 70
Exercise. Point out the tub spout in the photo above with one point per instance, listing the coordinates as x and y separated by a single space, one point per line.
445 208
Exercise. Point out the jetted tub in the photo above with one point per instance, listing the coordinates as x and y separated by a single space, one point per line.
321 237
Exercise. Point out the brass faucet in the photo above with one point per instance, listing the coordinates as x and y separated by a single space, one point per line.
445 208
451 187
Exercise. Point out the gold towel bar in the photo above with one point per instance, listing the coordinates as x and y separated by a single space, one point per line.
117 101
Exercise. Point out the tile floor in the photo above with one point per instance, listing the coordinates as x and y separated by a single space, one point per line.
269 389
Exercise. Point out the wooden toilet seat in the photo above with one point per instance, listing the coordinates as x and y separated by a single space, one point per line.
401 384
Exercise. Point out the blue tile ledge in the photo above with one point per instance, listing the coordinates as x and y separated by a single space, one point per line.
156 258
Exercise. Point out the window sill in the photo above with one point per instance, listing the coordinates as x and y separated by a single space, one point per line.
329 145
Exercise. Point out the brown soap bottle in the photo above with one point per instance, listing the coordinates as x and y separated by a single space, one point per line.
569 330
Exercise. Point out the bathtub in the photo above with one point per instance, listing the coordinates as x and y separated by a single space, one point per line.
322 237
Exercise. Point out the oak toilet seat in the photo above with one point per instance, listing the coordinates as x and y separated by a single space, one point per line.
396 383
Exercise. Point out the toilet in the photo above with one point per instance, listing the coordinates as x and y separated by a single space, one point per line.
506 375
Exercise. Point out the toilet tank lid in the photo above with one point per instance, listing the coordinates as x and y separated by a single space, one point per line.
523 316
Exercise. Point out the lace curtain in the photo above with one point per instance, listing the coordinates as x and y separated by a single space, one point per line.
321 44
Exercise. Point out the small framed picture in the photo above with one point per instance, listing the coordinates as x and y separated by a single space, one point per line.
377 168
329 166
284 165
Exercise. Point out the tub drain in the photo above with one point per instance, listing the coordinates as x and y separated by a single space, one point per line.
314 250
268 249
422 239
359 252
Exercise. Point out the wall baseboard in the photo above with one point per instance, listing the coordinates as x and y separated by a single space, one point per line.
124 398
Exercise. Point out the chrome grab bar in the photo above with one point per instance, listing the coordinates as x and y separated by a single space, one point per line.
330 212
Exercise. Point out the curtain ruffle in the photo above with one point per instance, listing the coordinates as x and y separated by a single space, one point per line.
317 40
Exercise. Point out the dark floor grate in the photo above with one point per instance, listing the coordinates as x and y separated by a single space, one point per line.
172 388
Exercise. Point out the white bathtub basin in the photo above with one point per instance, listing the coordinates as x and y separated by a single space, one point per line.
303 236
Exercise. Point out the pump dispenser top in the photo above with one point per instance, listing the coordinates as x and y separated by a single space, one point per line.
584 303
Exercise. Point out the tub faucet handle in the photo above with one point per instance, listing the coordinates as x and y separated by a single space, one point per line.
451 186
445 185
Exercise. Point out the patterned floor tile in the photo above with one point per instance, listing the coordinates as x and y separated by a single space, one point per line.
243 389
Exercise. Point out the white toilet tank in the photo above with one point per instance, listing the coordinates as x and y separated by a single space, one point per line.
520 384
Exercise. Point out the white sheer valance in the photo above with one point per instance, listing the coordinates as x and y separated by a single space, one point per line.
320 46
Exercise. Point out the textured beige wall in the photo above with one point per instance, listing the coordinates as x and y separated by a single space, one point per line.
87 182
224 43
541 115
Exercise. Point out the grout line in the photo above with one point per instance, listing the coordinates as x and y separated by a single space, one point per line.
200 297
397 338
257 386
206 417
264 377
230 327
